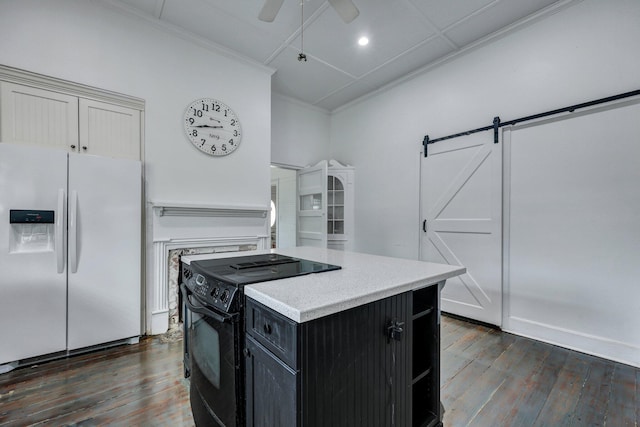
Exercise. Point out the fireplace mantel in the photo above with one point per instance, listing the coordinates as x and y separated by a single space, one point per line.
200 210
177 225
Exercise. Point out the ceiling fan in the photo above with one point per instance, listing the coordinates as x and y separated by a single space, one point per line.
345 8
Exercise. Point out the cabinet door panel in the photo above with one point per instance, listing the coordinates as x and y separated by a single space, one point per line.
35 116
109 130
312 206
272 389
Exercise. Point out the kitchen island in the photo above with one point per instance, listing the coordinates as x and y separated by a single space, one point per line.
359 346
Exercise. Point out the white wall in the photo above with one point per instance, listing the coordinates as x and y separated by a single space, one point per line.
583 52
574 231
299 133
93 43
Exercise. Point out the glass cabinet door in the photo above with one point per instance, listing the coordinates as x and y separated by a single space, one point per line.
335 205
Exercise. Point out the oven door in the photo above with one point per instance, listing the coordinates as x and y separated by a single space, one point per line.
214 353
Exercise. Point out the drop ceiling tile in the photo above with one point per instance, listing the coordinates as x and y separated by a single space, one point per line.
150 7
347 94
494 18
392 26
287 20
338 70
222 28
443 13
307 81
411 61
416 59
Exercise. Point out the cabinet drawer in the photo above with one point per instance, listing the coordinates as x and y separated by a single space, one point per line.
273 330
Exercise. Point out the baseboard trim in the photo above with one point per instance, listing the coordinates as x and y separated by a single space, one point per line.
598 346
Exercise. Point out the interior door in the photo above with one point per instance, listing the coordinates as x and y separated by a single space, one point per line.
33 279
104 249
461 208
312 206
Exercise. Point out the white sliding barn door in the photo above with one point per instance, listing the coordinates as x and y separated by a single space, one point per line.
461 202
312 206
572 217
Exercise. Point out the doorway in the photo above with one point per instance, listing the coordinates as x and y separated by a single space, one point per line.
283 198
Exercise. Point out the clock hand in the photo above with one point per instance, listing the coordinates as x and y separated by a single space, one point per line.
206 126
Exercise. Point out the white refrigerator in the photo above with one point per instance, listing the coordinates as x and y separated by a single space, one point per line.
70 251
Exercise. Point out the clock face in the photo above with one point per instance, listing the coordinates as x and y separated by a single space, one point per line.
212 127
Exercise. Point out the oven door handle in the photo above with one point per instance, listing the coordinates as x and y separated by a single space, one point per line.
200 309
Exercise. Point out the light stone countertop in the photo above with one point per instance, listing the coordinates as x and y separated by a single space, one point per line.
363 279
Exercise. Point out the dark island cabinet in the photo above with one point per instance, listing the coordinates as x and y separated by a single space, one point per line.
372 365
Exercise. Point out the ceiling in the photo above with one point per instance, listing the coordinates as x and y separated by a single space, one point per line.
405 36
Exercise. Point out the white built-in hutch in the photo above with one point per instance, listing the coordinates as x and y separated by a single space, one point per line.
340 206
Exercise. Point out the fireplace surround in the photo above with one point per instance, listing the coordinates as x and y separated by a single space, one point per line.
179 228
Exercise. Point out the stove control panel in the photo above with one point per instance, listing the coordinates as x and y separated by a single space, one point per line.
214 293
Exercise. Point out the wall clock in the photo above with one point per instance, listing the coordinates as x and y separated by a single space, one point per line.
212 127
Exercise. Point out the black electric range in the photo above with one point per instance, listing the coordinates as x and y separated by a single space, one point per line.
213 304
219 282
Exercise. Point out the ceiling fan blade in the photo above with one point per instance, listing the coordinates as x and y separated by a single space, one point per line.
346 9
270 10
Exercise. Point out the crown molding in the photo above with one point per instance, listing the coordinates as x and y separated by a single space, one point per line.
28 78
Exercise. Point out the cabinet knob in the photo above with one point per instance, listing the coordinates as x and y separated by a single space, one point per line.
73 146
267 328
84 147
246 352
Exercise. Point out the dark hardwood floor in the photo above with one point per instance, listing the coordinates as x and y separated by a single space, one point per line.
489 378
129 385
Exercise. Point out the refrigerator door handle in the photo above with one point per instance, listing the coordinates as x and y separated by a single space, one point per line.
59 232
73 231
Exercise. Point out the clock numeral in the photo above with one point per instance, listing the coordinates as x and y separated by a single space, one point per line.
194 132
191 120
197 113
224 147
233 122
216 108
235 133
225 113
203 142
205 107
213 148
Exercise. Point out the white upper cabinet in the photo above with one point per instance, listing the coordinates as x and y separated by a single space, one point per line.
109 130
35 116
60 114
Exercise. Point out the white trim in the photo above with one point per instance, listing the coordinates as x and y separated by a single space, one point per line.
506 221
27 78
161 249
585 343
194 210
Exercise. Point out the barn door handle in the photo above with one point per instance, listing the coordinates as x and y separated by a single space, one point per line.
424 225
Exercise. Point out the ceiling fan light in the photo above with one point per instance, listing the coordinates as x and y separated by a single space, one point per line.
363 41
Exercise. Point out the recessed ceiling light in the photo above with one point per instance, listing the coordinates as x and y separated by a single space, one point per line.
363 41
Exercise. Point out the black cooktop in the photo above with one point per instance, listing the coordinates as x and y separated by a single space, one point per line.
244 270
